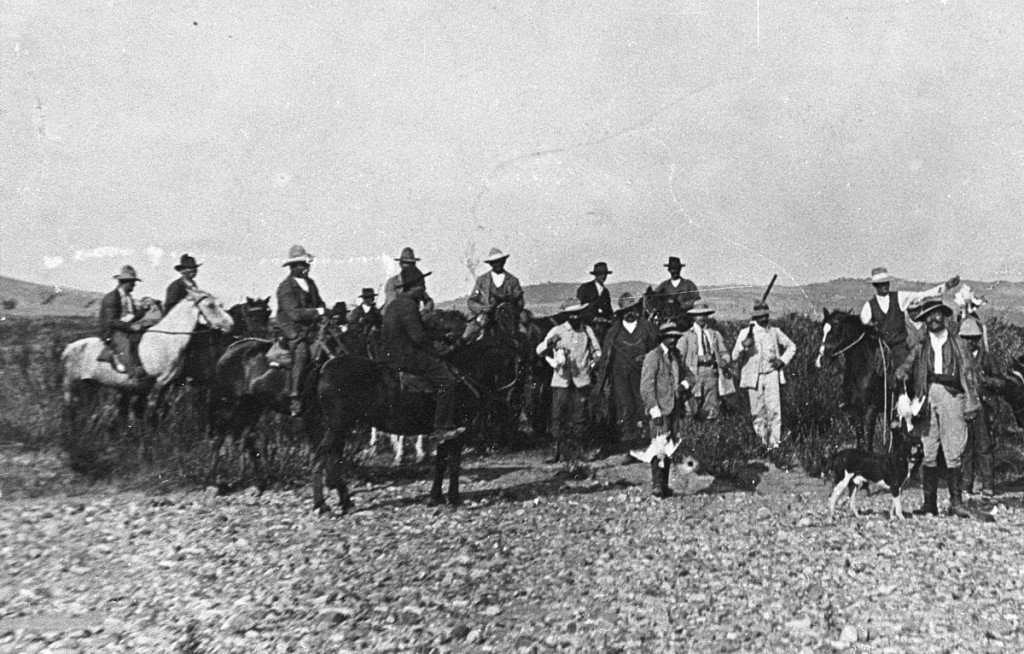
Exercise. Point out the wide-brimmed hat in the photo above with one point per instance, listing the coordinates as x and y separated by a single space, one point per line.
919 310
297 254
368 293
495 255
702 308
668 329
627 301
600 268
880 276
127 274
407 256
674 262
572 305
760 310
187 262
411 276
971 328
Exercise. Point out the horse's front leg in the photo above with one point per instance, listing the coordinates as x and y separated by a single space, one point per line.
454 469
440 461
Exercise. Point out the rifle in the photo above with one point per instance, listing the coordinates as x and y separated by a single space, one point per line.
750 332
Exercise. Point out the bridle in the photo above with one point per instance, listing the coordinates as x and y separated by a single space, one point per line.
198 307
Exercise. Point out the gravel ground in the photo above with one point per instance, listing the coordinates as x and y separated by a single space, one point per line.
532 563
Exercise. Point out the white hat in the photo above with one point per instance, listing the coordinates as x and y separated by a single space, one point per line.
495 255
880 276
297 254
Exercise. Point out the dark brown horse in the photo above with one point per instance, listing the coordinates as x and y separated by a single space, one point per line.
245 386
355 391
866 394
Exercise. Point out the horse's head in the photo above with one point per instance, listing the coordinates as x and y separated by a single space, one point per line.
444 325
211 310
506 319
252 316
839 329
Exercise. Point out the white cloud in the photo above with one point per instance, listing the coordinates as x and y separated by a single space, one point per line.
155 254
53 262
102 252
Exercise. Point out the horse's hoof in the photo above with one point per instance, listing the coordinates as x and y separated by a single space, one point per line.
454 501
435 500
323 509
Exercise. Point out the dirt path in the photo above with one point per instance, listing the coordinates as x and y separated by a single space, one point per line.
532 563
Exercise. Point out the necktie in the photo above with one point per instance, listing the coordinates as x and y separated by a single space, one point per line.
706 343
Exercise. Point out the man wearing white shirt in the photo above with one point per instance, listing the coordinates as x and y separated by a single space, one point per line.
886 312
941 369
299 309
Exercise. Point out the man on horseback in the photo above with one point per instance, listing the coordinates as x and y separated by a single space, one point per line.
886 314
366 316
677 294
405 261
299 309
491 289
405 347
179 288
120 324
595 296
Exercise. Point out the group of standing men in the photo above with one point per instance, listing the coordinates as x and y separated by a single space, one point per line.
658 374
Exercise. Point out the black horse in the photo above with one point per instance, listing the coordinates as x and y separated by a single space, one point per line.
866 391
245 386
251 320
355 391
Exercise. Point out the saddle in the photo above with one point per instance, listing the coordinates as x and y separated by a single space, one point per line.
278 356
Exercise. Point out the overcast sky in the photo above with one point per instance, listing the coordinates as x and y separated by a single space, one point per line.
812 139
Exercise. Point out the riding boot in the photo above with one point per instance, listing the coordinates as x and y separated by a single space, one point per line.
655 478
557 456
454 468
666 490
300 357
930 486
956 487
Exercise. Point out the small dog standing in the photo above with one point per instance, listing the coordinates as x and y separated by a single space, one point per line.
853 468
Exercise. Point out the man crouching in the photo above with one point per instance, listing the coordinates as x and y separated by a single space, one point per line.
662 380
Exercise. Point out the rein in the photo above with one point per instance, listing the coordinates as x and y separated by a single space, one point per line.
847 347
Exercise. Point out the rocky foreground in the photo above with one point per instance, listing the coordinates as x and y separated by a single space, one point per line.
532 564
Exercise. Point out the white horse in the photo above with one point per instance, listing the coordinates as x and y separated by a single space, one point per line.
161 351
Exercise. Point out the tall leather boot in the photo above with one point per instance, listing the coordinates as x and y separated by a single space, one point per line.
666 490
930 486
956 489
656 473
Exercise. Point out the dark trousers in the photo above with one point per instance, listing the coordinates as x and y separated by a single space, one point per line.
629 406
126 348
300 361
977 458
569 409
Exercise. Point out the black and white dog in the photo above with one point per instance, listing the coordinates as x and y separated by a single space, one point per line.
851 469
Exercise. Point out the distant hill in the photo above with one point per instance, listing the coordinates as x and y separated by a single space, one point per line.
1005 299
28 300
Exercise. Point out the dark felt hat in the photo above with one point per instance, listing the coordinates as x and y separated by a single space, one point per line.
674 262
127 274
600 268
187 262
407 256
760 310
921 309
368 293
669 329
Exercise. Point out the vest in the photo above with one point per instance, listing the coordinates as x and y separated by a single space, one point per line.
892 325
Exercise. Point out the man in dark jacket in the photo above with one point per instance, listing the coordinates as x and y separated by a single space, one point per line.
405 260
625 345
119 324
678 291
595 296
299 309
940 369
404 347
179 288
